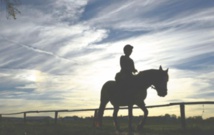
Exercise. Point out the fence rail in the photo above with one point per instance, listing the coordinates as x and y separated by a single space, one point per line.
56 112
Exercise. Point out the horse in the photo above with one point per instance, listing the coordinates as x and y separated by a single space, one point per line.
132 93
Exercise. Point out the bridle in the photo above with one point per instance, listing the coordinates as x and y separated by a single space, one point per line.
153 87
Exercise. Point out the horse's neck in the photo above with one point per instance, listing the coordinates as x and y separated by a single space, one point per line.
147 78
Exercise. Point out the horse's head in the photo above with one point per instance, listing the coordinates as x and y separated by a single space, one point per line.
160 83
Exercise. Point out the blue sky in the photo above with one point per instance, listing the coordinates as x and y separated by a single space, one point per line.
58 54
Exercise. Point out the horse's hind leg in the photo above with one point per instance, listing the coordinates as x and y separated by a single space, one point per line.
116 109
130 108
143 107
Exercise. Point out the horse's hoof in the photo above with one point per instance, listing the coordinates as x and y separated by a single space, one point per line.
119 130
131 129
99 128
131 133
139 127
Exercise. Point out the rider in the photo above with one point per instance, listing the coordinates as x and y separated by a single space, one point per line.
126 64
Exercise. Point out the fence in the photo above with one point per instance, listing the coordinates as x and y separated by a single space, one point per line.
56 112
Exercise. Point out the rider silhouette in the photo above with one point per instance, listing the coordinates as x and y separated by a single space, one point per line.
127 65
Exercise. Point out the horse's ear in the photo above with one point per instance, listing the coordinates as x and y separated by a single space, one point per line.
160 68
167 70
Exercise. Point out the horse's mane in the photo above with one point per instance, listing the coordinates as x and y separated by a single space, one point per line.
146 71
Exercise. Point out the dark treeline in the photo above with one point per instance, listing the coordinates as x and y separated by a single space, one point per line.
165 119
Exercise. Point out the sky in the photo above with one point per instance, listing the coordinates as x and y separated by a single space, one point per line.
58 54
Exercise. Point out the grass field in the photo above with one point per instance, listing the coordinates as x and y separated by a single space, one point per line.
85 127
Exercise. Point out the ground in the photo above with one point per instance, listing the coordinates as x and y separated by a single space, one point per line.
85 127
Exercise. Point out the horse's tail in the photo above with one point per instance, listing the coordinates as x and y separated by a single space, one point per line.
104 99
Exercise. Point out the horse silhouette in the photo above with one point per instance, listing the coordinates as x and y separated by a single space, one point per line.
132 93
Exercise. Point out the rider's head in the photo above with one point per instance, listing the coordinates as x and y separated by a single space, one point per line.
128 49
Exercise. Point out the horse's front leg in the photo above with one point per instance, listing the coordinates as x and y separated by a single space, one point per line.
116 109
130 107
141 124
100 113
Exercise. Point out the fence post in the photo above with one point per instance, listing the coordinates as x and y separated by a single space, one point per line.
25 117
56 116
0 117
182 111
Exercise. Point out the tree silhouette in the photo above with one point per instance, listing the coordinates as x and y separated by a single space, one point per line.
11 7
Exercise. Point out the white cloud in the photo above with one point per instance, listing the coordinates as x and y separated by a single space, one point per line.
132 16
82 41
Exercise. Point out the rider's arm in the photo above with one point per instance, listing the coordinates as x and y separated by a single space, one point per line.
133 67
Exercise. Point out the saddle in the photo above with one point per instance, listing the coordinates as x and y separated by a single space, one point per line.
124 80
